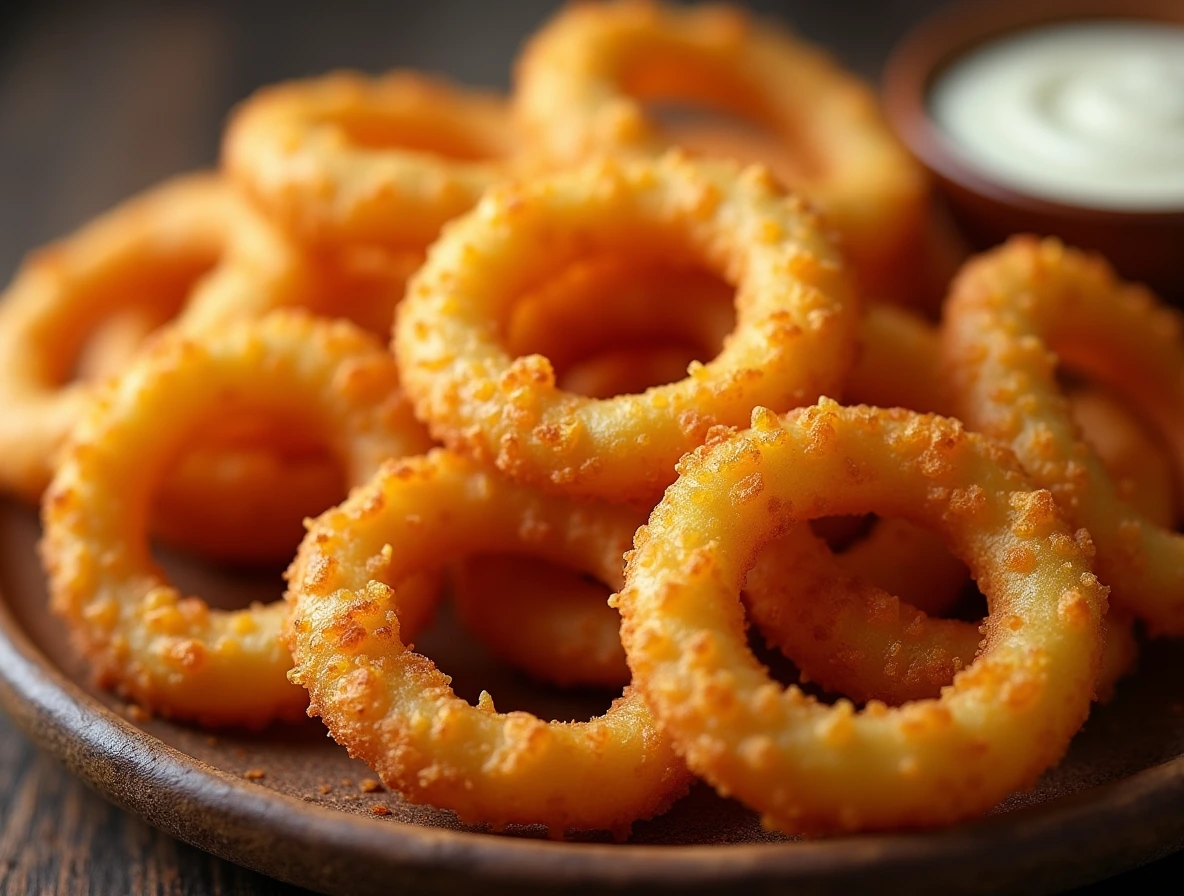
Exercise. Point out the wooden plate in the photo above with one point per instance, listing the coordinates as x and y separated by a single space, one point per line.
1116 801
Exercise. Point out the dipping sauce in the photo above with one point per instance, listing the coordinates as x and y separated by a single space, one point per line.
1089 113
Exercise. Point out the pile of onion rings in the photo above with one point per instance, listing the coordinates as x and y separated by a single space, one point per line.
578 370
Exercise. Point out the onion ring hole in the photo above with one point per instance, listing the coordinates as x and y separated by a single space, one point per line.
612 326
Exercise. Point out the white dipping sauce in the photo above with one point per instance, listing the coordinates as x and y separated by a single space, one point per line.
1090 112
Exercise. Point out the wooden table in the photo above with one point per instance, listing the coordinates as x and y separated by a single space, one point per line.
99 101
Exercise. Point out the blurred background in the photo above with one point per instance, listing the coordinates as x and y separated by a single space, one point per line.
100 99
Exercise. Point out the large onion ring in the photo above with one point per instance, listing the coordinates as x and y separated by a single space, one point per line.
813 768
169 653
1012 314
347 158
794 336
393 709
581 83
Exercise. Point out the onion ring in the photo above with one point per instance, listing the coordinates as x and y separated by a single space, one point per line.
793 340
190 248
850 632
581 83
169 653
394 709
350 159
242 498
845 631
817 769
546 620
1012 314
148 252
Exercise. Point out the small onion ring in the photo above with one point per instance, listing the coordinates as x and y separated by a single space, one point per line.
543 619
351 159
192 249
818 769
393 709
148 252
169 653
845 631
1016 311
794 337
581 83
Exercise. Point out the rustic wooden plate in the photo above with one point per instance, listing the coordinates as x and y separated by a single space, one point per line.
1116 801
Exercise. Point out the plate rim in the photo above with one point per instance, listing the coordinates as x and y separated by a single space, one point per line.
226 816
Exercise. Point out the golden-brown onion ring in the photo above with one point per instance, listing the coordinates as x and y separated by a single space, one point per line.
147 253
852 635
808 767
1012 315
898 364
393 709
170 653
583 79
348 159
794 336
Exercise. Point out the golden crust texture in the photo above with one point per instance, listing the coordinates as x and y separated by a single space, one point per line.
392 708
813 768
170 653
1014 315
582 82
794 336
351 159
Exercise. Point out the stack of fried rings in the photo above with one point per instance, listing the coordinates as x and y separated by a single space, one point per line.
602 325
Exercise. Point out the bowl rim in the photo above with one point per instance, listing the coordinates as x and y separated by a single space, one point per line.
948 34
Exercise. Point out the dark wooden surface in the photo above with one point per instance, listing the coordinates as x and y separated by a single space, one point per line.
99 100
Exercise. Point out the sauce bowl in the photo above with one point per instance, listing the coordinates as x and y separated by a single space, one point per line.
1142 245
